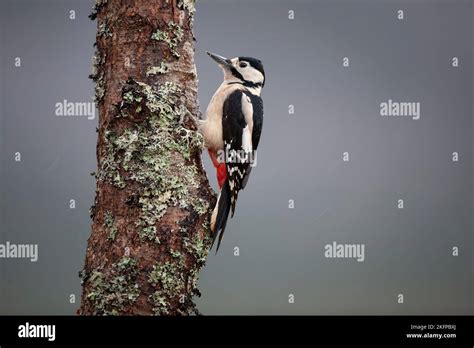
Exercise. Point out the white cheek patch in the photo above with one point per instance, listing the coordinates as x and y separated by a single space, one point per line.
252 75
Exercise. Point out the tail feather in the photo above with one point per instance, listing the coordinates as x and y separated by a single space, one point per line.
223 208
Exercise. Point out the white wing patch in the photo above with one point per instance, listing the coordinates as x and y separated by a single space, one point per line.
247 110
247 139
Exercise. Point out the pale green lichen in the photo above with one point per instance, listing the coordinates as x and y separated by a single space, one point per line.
172 37
169 279
112 291
157 152
130 98
97 75
201 206
176 254
162 69
165 276
109 224
190 6
109 166
103 30
198 247
179 257
160 303
151 153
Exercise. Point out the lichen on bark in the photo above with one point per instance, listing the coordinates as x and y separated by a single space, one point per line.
153 201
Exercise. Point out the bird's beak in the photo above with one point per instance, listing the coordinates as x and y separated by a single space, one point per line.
222 61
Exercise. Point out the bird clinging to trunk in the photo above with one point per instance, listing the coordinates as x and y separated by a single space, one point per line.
231 131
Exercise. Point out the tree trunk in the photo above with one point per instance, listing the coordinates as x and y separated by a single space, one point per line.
150 231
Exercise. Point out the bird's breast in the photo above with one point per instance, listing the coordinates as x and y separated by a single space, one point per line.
212 126
211 130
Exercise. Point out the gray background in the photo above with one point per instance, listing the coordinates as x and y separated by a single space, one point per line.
300 157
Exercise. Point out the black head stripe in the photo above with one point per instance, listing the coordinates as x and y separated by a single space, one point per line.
256 64
245 82
236 73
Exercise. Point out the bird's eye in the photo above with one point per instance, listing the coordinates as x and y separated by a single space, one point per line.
243 64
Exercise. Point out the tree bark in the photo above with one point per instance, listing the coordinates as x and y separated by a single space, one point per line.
150 231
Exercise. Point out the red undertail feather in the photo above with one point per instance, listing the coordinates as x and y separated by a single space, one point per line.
220 168
221 174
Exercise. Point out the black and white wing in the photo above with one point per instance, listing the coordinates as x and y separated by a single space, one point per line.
238 135
242 120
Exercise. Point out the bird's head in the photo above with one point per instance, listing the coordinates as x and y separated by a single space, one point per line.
246 70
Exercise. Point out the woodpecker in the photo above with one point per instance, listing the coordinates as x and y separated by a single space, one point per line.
231 131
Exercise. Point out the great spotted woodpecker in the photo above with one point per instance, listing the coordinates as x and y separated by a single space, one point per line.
231 131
